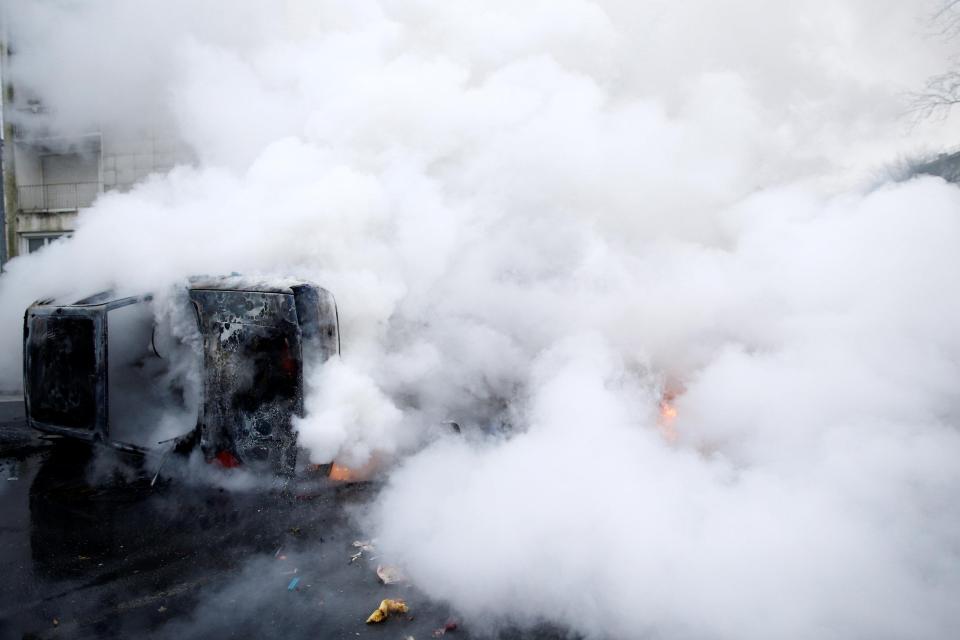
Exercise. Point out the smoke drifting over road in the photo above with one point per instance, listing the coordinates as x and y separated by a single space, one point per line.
536 219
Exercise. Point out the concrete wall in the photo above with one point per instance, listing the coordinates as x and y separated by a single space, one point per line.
53 178
67 168
27 167
58 222
127 160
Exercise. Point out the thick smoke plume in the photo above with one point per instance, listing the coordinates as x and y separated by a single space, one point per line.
537 218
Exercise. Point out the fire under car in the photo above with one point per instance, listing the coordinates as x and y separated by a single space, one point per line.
114 371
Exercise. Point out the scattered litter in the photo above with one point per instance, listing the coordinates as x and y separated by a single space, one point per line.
293 584
13 478
281 557
295 530
161 609
409 638
56 622
390 574
387 607
290 573
448 626
83 557
361 546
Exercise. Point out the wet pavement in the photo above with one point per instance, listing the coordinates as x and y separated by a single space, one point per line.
117 557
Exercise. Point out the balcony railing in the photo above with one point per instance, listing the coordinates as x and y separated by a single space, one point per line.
47 197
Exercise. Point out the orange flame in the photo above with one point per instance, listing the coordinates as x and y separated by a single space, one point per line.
668 412
340 473
668 415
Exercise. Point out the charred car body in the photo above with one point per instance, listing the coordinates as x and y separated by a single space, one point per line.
100 369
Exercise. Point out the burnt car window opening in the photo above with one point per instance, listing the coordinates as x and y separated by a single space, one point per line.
62 384
141 394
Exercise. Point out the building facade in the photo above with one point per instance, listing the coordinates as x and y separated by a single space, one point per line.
49 178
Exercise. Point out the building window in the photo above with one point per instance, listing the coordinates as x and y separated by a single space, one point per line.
36 241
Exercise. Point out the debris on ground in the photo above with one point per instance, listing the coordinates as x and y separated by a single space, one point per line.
361 546
161 609
390 574
387 607
293 584
56 622
450 625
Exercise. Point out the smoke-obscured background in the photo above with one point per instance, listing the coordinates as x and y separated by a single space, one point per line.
537 218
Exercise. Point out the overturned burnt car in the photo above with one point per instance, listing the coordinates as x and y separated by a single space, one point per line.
117 372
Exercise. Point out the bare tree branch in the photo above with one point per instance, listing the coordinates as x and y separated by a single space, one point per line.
942 92
947 18
947 7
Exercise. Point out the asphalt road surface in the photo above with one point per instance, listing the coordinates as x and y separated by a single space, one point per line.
92 553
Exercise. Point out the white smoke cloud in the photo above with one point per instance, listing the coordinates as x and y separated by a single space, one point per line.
348 413
540 216
808 494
